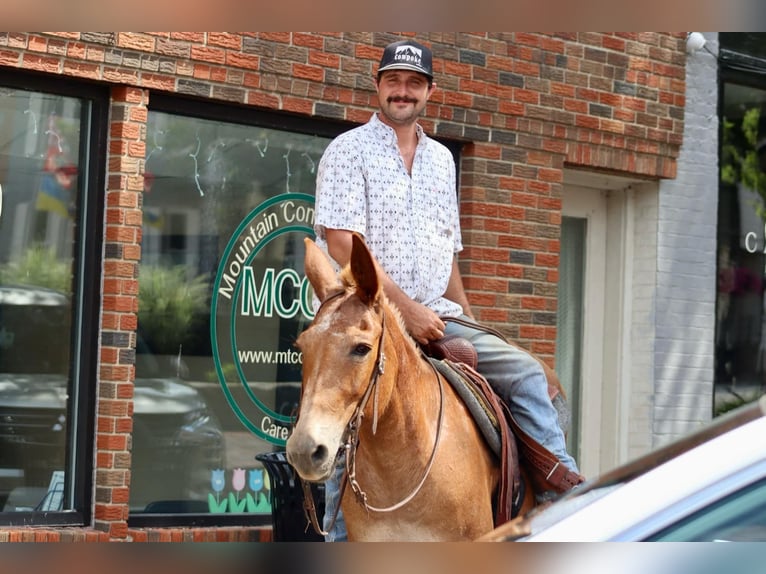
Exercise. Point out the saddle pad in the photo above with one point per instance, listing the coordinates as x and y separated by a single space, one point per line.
474 400
490 416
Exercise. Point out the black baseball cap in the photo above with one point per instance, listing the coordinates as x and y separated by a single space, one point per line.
407 55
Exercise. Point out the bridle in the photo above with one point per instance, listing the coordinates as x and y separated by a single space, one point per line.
350 441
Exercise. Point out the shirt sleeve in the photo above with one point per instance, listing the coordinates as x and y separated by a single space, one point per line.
341 196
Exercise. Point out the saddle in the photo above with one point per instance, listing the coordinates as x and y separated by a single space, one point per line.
456 358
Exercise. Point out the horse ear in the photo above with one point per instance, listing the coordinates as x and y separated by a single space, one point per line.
320 272
364 271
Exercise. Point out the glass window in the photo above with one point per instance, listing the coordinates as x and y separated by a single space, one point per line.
569 325
749 45
221 300
740 341
44 139
740 517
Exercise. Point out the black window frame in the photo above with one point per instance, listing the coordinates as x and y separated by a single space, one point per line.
212 110
83 373
735 66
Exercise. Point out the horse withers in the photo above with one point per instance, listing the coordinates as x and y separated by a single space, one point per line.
418 467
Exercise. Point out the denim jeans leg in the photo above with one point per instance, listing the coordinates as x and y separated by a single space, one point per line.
332 501
520 382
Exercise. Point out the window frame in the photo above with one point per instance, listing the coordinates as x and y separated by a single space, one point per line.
87 250
204 109
739 68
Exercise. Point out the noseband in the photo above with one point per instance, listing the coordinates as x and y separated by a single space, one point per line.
350 441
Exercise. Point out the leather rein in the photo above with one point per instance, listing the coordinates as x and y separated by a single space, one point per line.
350 442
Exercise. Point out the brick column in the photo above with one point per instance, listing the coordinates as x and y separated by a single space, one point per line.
122 252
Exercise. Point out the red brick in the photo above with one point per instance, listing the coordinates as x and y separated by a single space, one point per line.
324 59
240 60
308 40
312 73
282 37
211 55
225 40
135 41
195 37
297 105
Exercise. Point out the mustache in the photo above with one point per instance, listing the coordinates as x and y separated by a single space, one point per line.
403 99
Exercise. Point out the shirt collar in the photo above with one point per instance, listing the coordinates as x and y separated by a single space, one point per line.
386 132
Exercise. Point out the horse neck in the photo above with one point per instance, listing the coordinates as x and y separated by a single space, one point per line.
409 396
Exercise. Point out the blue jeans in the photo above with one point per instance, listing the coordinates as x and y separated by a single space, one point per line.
519 381
331 502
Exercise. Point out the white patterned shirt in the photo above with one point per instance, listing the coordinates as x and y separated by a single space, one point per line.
411 223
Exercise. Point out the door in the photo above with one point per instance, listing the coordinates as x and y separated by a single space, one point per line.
580 318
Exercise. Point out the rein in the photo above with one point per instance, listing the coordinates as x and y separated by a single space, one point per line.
351 442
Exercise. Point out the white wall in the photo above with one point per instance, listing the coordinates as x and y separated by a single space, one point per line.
686 263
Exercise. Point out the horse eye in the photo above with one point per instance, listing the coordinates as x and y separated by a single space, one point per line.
361 350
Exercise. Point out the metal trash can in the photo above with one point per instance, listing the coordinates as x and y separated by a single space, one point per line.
288 519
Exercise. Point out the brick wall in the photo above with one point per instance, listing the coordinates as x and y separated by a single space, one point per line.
525 104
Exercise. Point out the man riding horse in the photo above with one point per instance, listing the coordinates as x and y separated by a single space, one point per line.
395 186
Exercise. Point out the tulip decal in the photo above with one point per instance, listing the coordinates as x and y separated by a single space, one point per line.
258 502
238 483
217 481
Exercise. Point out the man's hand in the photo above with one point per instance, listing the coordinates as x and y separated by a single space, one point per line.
422 323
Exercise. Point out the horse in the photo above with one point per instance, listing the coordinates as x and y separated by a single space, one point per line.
419 468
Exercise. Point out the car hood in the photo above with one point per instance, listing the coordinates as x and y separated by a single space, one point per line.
151 396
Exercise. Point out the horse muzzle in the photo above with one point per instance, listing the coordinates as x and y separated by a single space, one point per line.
313 460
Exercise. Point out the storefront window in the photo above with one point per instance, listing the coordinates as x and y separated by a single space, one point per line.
43 138
221 300
740 319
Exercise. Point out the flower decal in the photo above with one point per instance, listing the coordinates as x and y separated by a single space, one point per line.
218 482
255 481
238 483
258 501
238 480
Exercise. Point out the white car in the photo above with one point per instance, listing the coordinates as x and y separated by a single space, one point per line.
709 486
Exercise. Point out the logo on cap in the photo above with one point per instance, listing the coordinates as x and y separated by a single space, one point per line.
409 54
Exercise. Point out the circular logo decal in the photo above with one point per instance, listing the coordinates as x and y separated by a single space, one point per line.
261 302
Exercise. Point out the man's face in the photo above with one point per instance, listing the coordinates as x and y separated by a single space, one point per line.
403 95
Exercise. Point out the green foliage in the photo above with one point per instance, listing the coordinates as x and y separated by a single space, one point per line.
170 306
39 266
739 158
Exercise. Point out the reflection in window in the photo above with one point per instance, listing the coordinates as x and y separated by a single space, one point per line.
740 371
569 326
40 143
191 452
739 517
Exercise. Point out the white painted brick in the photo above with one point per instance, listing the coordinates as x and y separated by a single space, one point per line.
686 217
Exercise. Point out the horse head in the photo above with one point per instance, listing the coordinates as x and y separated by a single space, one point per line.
341 354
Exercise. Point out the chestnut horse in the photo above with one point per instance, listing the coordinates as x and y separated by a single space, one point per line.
419 468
